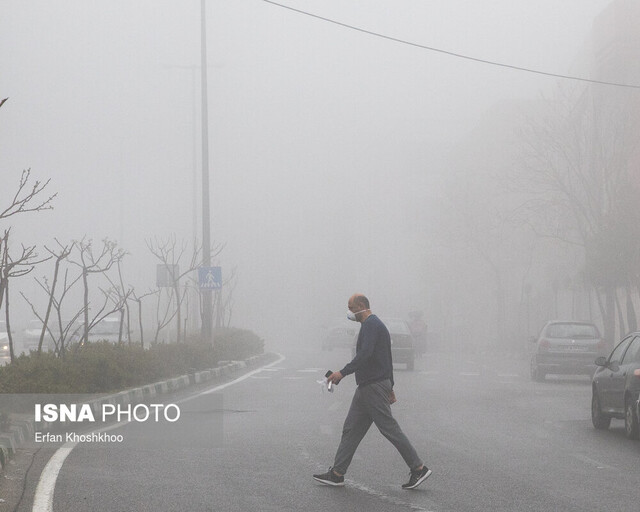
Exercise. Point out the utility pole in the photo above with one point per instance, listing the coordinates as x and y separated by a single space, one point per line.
207 297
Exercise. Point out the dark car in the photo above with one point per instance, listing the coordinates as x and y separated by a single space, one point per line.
402 342
616 386
566 347
339 336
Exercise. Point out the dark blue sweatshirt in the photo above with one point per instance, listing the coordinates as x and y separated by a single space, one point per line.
372 362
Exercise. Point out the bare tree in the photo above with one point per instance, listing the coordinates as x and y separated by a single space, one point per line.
170 255
63 328
10 268
99 263
166 314
122 297
59 257
582 188
138 299
27 198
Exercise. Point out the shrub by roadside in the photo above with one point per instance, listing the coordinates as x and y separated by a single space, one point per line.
104 367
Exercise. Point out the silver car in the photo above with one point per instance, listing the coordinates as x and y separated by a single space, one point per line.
566 347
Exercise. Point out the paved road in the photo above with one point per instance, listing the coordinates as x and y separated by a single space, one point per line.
495 440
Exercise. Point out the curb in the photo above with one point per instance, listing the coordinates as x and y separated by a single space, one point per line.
23 430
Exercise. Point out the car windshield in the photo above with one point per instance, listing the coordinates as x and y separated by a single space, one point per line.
572 331
396 325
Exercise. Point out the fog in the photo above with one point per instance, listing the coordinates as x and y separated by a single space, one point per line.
335 154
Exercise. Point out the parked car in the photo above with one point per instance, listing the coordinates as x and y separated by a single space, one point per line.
616 386
5 353
402 343
566 347
107 329
339 336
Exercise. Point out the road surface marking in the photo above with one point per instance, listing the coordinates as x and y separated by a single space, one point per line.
43 499
592 462
310 370
470 374
384 497
372 492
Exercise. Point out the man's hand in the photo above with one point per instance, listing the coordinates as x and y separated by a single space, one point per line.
335 378
392 397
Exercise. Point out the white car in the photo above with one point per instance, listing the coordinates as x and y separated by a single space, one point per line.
107 329
5 354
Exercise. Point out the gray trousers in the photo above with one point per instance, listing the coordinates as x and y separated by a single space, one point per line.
370 404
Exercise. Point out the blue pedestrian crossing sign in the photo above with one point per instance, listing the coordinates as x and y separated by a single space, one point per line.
210 278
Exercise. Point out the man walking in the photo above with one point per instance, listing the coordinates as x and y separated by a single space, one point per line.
373 368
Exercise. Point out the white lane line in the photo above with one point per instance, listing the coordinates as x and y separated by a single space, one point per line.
385 497
310 370
591 462
508 375
261 377
231 383
43 499
470 374
372 492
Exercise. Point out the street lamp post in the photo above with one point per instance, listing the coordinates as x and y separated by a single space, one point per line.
207 297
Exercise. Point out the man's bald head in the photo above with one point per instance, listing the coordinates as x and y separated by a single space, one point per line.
359 302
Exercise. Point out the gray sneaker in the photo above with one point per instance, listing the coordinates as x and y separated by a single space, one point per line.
330 478
416 477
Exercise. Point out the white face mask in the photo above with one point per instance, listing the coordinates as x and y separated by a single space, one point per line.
352 316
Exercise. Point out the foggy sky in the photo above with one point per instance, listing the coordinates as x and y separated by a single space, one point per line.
328 146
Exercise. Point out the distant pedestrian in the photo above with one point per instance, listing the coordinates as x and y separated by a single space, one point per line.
373 368
418 329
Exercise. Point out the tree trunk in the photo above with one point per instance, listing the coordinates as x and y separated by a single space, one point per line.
85 282
6 311
178 312
608 318
49 305
140 322
621 327
121 326
632 321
